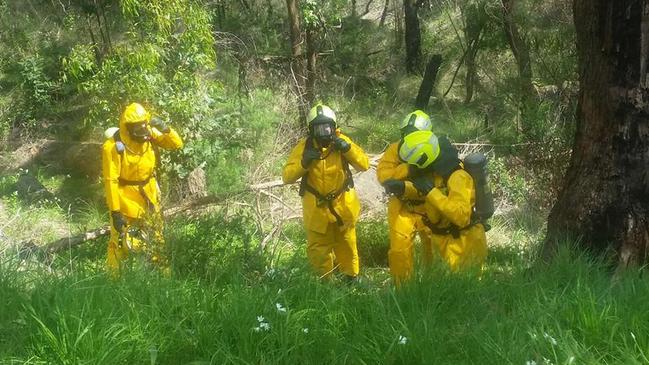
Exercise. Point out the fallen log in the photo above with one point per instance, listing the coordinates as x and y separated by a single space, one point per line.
78 239
75 240
197 203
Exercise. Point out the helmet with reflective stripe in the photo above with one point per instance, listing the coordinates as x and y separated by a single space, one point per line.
417 121
321 113
419 148
135 113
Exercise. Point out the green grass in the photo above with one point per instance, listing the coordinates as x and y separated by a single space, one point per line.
208 311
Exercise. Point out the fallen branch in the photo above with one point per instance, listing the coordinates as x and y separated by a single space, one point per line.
75 240
195 204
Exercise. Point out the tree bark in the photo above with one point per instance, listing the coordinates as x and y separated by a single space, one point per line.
311 73
604 201
474 22
384 13
521 53
472 80
397 10
428 82
297 63
412 36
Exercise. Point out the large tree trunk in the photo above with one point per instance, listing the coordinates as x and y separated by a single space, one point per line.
605 200
297 58
521 53
413 36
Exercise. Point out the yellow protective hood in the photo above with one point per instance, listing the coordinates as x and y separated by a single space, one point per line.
133 113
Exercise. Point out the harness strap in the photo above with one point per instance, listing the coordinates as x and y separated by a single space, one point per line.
329 198
452 229
125 182
119 145
140 185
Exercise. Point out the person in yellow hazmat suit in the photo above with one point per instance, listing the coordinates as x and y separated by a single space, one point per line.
405 206
129 159
450 199
329 202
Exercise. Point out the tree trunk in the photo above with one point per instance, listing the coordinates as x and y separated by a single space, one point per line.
428 82
521 53
474 22
384 13
297 64
471 74
367 7
311 73
604 201
397 10
412 36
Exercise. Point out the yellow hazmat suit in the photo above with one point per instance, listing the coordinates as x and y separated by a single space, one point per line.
130 184
405 216
452 204
326 239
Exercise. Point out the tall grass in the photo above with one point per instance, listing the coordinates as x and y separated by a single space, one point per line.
568 312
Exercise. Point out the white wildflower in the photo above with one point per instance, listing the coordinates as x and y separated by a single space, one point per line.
530 362
263 325
403 340
547 361
550 339
280 308
305 330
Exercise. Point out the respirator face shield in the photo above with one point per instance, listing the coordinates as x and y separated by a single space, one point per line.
323 132
139 131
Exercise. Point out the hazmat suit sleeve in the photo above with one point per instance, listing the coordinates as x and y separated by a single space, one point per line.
111 167
356 156
168 141
293 169
457 206
390 166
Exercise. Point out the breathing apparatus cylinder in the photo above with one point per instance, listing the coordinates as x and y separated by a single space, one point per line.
476 165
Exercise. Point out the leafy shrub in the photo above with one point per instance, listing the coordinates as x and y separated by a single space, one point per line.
215 247
373 243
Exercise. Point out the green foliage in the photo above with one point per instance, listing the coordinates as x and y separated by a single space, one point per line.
508 182
166 46
563 313
373 243
214 249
